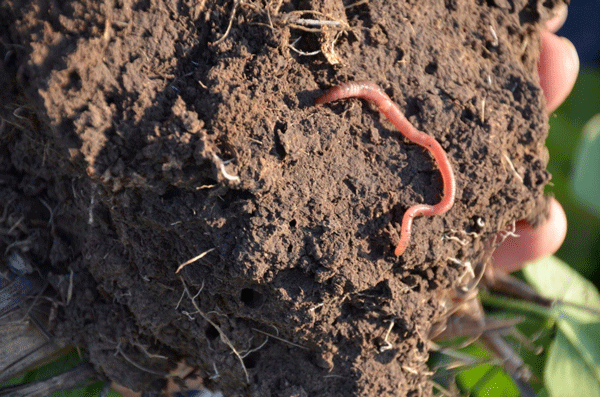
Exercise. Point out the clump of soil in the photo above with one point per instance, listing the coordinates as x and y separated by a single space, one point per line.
159 131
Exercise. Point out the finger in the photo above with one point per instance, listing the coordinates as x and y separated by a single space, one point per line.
124 391
183 371
559 18
558 68
532 243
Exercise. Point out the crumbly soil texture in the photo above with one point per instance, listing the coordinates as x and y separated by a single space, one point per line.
140 136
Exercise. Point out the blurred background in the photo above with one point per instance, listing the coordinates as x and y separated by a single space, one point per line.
571 150
583 29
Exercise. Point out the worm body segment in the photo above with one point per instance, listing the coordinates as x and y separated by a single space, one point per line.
373 93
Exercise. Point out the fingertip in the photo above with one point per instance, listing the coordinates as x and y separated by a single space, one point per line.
124 391
532 243
558 68
554 229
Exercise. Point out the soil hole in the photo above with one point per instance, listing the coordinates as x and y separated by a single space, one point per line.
279 149
412 107
399 55
211 333
251 298
251 360
74 81
451 5
467 116
431 68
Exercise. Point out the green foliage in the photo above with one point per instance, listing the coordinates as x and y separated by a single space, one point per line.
573 172
568 377
573 362
57 367
570 364
474 374
486 379
586 178
583 102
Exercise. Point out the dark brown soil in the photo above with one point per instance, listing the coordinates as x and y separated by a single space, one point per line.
122 115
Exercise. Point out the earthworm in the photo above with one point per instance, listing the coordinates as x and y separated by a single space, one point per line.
373 93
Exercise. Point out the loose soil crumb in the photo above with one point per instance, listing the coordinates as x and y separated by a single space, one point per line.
157 131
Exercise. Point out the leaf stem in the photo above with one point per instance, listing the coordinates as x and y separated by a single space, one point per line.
518 305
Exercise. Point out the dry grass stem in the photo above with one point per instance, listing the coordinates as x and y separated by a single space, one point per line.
139 366
235 6
194 259
280 339
512 167
224 337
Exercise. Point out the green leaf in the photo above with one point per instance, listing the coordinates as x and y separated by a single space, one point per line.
565 375
487 380
543 393
586 184
573 362
555 279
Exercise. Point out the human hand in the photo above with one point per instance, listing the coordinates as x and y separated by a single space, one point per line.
183 371
558 68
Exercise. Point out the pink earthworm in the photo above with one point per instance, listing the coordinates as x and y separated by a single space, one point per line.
373 93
